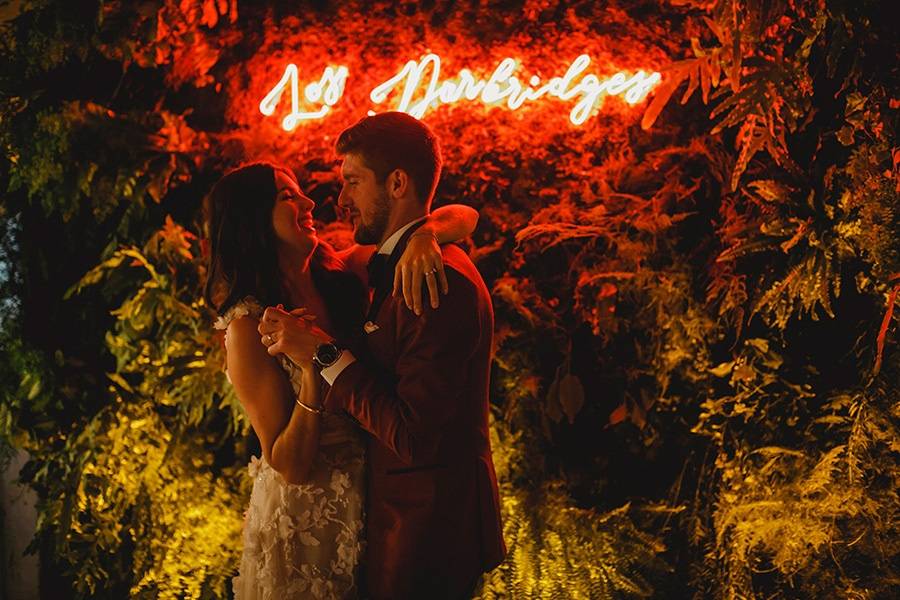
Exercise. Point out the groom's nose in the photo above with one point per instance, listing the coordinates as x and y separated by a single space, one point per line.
342 200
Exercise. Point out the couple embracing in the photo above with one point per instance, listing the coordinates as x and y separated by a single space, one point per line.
376 478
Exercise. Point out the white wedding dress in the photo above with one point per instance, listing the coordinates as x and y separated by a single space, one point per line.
304 541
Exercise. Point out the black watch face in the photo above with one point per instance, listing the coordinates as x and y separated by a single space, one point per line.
327 354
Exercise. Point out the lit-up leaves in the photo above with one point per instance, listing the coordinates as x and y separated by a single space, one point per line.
885 323
723 369
601 200
759 391
807 287
214 9
552 406
789 506
595 300
169 386
758 517
185 43
752 136
808 247
523 298
557 550
565 395
162 339
571 396
557 233
173 241
764 102
769 190
120 162
704 70
140 487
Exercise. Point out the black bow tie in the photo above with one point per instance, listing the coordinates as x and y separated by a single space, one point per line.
376 268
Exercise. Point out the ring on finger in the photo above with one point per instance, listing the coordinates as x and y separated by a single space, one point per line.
267 339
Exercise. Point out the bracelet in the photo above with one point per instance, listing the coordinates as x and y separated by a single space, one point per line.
312 409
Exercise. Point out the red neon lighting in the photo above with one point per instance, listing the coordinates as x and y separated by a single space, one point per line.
502 86
327 91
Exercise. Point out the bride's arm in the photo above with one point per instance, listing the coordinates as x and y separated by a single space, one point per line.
295 449
451 223
446 224
288 433
422 260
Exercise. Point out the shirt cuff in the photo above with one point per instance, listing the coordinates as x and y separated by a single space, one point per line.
329 374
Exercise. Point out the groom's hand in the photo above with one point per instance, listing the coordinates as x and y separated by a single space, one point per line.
292 334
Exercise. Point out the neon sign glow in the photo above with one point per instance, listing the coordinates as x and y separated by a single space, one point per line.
328 90
418 95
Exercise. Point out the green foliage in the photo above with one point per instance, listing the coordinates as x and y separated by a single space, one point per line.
827 521
132 159
162 345
694 318
134 495
803 478
143 506
559 551
555 549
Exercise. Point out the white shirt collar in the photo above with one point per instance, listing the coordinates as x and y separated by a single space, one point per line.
389 244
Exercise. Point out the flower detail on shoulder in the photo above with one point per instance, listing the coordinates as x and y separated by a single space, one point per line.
254 466
247 306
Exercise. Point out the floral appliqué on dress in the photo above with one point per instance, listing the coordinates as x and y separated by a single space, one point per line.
303 541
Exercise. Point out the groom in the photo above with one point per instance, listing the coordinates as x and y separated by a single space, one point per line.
421 390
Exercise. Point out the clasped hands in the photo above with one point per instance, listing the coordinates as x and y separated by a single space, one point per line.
293 334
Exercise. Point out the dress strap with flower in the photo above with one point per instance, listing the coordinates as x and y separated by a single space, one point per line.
303 541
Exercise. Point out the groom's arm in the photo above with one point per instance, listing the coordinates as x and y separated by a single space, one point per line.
434 353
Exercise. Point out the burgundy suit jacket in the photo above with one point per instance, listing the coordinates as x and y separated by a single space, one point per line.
433 510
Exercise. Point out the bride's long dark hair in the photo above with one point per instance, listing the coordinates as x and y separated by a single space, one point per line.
243 257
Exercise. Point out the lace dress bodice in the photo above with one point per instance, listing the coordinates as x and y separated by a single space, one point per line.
303 541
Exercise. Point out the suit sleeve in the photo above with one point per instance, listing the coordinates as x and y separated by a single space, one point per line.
433 360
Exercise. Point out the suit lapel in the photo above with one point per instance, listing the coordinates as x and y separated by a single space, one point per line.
385 284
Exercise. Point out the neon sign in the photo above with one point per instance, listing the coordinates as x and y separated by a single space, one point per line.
418 92
327 91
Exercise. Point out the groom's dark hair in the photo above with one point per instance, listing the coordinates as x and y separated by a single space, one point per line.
396 140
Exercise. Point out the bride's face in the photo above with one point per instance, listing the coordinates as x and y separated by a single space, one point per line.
292 215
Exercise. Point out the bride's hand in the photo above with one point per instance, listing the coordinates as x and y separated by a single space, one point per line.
421 260
293 334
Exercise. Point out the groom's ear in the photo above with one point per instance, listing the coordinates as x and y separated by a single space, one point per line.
398 183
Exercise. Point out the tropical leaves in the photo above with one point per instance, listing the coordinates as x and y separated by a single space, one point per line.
654 293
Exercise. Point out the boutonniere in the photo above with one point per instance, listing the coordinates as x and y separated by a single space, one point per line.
370 327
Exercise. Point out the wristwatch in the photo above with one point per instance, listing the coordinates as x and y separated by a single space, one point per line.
326 354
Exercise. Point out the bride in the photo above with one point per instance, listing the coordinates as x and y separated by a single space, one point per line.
303 529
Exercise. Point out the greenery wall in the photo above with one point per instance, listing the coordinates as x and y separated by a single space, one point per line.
695 380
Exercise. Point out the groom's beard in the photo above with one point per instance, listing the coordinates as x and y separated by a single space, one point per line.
372 232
